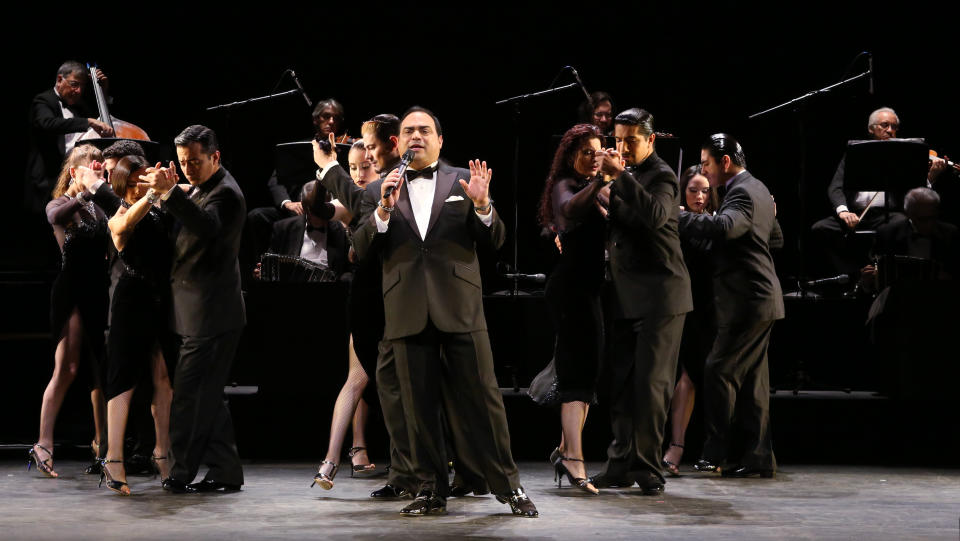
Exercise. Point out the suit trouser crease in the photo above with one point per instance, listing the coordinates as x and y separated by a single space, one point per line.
201 428
737 385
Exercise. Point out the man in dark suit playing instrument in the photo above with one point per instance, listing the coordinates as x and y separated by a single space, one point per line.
208 310
425 228
58 117
653 294
748 300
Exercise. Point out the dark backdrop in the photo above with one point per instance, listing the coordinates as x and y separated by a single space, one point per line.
698 69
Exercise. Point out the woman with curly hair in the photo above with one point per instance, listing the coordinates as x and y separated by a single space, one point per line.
569 207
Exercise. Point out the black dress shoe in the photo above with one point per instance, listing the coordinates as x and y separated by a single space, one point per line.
426 503
650 485
520 504
390 492
744 471
705 466
602 481
175 486
210 485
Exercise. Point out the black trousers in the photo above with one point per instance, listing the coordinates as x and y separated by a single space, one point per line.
847 251
736 383
388 389
201 430
642 373
434 370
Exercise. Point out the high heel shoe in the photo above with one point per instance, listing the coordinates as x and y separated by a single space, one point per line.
672 468
43 466
325 481
120 487
555 456
359 468
155 460
95 449
580 482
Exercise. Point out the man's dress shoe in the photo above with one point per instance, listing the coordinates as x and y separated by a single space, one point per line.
705 466
390 492
175 486
650 484
209 485
520 504
426 503
602 481
459 491
745 471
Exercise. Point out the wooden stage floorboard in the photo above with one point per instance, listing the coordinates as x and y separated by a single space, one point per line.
802 502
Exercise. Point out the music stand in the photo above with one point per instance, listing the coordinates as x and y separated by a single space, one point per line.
295 161
895 166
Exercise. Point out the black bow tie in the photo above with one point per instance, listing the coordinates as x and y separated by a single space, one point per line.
319 228
426 172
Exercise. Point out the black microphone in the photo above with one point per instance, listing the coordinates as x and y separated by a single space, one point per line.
585 93
404 163
296 81
870 68
839 280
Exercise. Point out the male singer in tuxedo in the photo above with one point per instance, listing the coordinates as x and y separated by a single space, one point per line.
58 117
425 227
736 377
653 293
208 310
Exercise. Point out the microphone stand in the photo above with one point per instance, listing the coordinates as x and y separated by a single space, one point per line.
797 104
516 102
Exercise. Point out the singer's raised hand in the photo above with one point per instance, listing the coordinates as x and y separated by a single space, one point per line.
478 189
393 179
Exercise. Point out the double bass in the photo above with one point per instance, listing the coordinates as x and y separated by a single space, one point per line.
121 128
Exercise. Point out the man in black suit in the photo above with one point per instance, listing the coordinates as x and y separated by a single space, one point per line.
653 293
748 298
425 228
57 117
208 310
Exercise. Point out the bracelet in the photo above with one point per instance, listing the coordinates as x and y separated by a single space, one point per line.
152 196
484 208
385 208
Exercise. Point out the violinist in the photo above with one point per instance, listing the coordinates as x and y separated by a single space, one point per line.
58 117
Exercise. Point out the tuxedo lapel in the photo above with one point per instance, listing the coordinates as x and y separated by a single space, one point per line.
445 180
406 210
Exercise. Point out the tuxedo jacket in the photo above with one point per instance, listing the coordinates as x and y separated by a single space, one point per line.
437 277
649 274
287 239
205 275
745 283
48 131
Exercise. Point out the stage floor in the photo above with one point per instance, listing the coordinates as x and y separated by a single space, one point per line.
802 502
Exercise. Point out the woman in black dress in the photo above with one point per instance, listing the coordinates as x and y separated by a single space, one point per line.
569 206
78 301
699 328
138 322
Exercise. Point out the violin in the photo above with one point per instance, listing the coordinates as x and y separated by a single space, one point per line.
121 128
955 166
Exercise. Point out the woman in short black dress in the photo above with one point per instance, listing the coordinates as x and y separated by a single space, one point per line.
139 317
78 301
569 206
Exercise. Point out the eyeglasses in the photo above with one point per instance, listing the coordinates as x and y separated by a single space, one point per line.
888 125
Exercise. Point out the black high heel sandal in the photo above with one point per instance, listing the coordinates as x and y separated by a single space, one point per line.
156 466
120 487
555 456
582 483
325 481
369 467
670 467
96 448
43 466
